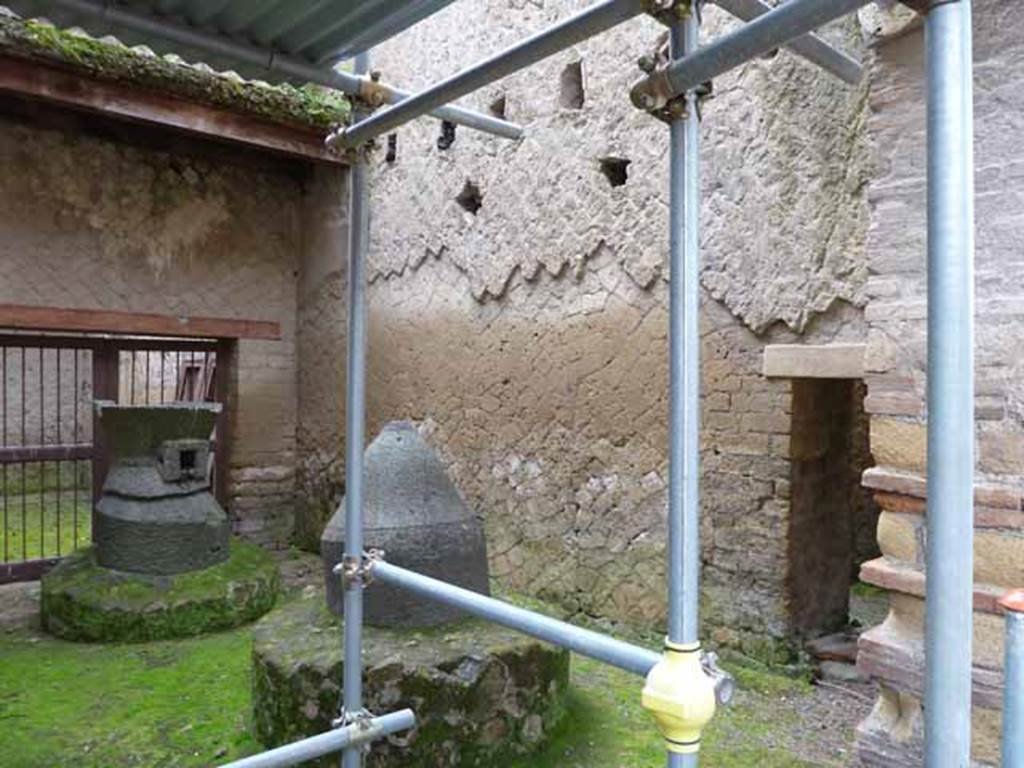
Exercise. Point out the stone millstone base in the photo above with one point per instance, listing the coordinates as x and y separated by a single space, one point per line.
481 693
83 601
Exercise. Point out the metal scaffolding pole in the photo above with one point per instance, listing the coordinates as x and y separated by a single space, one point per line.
684 365
950 384
355 430
575 29
774 29
287 66
1013 680
593 644
810 47
322 744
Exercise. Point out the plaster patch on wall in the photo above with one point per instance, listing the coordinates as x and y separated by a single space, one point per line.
164 212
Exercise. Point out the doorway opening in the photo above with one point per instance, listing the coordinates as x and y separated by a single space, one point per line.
832 518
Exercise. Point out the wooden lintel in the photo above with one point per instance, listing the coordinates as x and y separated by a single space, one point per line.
21 317
54 84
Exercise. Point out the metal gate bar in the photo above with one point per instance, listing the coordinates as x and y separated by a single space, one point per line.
34 454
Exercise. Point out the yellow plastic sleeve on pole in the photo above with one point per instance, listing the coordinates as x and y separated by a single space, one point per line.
680 696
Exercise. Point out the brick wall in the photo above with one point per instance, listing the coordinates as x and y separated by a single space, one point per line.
896 359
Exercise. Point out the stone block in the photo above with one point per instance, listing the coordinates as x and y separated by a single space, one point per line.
898 537
482 694
900 444
999 558
1001 449
815 361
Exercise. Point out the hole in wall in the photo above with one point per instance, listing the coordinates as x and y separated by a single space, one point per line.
187 461
447 137
615 169
571 94
499 107
392 154
470 198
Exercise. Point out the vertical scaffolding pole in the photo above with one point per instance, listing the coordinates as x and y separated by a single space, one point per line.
355 430
684 363
950 384
1013 681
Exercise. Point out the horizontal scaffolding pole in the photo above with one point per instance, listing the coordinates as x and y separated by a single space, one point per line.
583 641
810 47
359 732
273 63
772 30
584 25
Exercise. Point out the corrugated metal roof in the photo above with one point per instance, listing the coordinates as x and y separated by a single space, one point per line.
314 32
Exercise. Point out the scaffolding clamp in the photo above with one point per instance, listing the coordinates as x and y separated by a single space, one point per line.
372 94
670 12
358 570
680 695
657 99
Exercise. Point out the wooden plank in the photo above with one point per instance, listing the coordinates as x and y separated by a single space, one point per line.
27 570
73 89
11 454
24 317
227 361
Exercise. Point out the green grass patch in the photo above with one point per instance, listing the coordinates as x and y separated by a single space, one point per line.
31 527
168 704
606 726
186 703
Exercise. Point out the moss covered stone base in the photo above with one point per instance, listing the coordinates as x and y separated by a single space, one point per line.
481 693
82 601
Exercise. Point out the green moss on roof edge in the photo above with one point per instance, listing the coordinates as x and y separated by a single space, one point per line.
310 106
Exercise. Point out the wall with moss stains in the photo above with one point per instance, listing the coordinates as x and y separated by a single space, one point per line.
169 225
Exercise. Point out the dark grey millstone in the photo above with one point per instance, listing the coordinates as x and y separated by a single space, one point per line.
143 480
482 694
415 514
140 430
156 514
167 535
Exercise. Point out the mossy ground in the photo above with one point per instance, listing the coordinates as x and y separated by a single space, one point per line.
186 703
171 703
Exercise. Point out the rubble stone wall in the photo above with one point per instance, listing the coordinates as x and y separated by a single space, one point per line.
518 304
